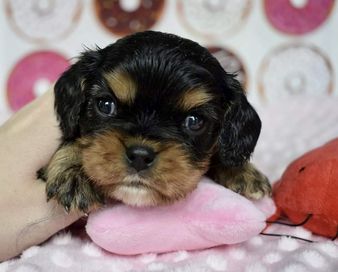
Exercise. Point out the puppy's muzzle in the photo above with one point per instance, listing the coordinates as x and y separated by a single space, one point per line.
140 157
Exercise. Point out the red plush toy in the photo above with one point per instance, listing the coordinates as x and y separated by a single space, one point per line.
308 191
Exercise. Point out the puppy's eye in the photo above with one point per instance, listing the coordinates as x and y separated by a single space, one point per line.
106 106
193 123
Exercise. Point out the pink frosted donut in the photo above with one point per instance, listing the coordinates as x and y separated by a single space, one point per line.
43 20
230 63
32 75
297 16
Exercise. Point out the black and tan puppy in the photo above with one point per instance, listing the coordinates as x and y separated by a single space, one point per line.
143 119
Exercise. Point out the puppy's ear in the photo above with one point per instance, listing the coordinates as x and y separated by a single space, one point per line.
241 128
69 95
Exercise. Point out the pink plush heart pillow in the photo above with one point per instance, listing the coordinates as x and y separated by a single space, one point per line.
210 216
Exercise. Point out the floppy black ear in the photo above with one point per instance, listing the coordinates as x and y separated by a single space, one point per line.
241 128
69 95
68 102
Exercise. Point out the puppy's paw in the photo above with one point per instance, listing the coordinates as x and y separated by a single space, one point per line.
246 180
253 186
73 190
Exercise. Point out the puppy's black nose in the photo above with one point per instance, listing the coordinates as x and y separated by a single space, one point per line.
140 157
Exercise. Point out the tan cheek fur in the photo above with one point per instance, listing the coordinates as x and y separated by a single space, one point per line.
171 177
103 158
174 176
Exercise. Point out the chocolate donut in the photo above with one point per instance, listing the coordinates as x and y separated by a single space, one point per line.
122 17
295 69
297 16
213 17
32 76
43 20
231 63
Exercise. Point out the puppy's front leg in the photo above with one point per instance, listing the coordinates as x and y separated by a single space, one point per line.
66 181
245 180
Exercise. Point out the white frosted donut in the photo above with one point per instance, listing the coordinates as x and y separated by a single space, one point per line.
213 17
43 20
295 69
231 63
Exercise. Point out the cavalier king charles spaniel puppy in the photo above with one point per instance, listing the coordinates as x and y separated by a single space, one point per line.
143 119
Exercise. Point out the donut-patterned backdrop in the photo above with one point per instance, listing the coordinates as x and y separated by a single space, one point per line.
278 48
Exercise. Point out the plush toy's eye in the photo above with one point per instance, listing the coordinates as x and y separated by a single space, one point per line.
193 123
106 106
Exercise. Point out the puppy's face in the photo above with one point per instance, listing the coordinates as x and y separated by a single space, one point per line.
149 114
148 132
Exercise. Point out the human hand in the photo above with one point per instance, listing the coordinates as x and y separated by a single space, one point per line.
27 141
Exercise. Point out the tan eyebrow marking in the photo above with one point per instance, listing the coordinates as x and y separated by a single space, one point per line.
123 86
194 98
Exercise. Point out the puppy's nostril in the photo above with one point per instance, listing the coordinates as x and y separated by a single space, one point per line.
149 160
140 157
131 157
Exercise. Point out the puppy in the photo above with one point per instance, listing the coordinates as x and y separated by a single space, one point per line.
143 119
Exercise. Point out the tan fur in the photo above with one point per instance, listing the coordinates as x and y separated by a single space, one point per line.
170 178
62 159
66 181
123 86
103 159
246 180
194 98
174 177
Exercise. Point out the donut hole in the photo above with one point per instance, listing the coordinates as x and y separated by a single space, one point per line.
295 83
299 3
233 65
43 7
213 5
130 5
41 86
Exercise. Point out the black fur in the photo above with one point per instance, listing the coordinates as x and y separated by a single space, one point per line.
164 66
240 130
69 96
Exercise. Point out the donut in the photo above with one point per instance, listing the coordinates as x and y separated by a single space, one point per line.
32 76
212 18
297 16
231 63
295 69
123 17
43 20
